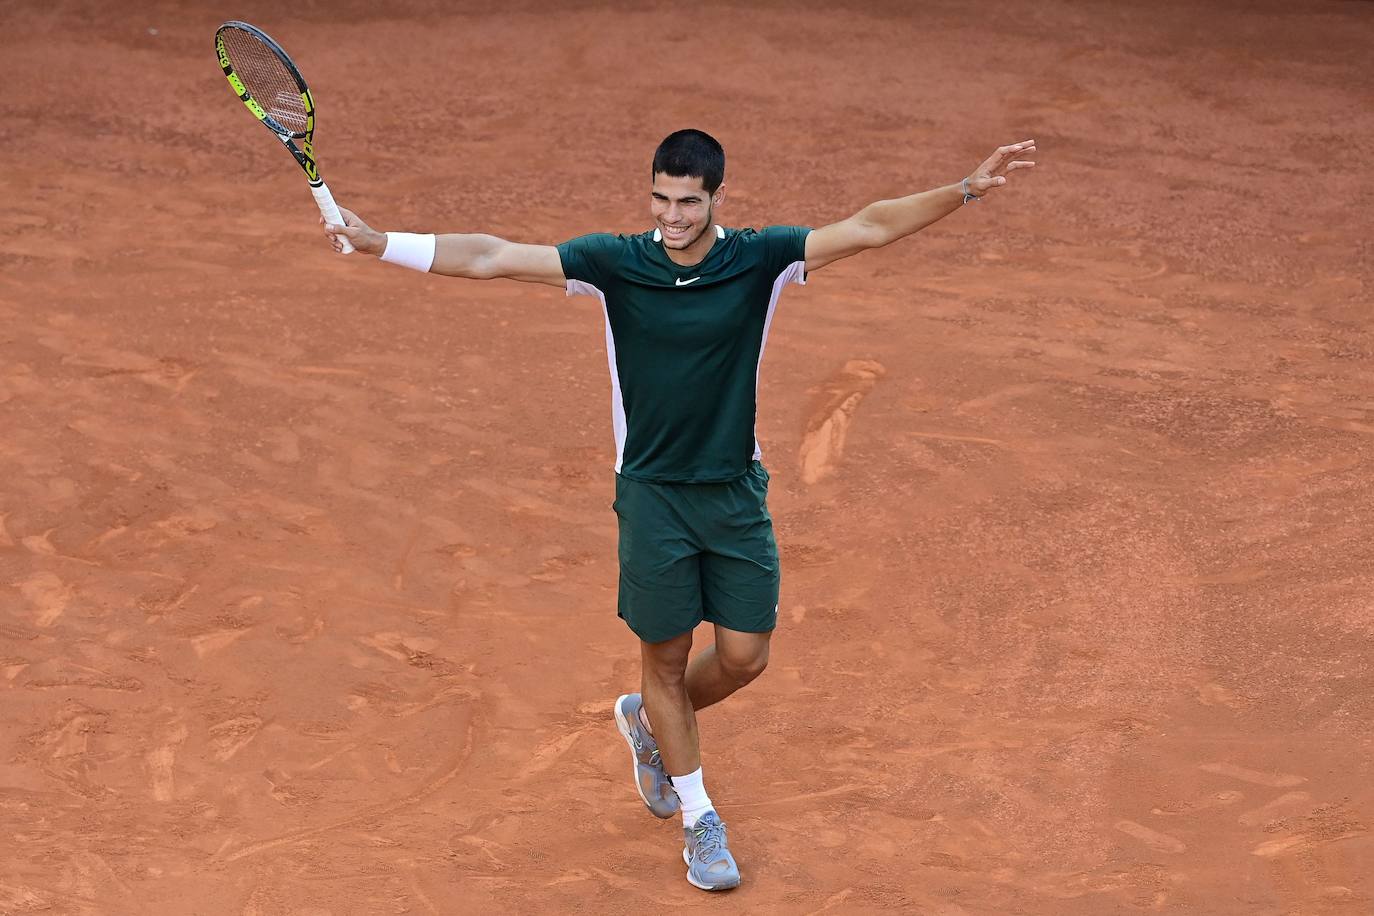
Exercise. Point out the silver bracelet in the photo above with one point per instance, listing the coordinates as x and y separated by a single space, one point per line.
968 198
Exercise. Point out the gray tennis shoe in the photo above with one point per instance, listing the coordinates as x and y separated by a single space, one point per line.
709 863
651 779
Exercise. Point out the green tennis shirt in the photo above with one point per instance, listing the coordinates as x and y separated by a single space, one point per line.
685 344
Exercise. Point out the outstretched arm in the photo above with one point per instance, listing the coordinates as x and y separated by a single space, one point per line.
478 257
886 221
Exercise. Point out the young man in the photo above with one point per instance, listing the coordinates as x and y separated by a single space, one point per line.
687 306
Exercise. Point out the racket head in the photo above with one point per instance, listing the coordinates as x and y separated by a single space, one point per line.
265 79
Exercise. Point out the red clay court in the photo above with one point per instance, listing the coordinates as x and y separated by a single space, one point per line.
307 565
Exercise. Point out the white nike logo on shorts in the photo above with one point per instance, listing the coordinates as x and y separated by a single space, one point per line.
682 282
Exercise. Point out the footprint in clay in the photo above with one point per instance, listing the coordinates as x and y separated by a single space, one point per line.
822 447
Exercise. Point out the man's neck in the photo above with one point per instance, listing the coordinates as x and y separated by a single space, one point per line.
695 253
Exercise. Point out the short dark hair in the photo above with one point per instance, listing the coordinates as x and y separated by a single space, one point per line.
691 154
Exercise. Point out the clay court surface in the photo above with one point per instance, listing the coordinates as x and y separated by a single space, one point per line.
307 565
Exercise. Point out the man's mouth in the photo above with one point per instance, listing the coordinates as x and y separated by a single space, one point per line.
676 233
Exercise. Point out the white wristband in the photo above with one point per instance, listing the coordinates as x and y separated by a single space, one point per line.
410 250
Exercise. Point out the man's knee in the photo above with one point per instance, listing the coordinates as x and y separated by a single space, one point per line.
743 666
666 661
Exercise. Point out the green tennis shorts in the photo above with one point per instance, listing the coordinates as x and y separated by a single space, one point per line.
697 551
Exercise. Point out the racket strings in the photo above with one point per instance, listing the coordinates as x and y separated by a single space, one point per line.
267 79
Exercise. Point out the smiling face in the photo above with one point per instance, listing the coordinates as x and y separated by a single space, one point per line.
683 210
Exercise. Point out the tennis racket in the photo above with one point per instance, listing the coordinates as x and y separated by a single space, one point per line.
268 83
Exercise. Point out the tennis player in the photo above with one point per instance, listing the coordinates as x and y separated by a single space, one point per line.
688 305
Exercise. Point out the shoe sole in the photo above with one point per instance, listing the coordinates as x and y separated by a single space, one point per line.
706 887
624 728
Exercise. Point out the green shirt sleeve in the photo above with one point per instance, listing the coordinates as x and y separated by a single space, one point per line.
591 258
784 245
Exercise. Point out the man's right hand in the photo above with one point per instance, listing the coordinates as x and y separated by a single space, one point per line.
362 236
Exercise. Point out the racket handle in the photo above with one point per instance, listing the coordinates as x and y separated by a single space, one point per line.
330 211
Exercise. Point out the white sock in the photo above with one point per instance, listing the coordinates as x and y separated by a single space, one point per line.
692 794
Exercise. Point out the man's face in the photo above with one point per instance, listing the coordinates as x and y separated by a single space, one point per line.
683 210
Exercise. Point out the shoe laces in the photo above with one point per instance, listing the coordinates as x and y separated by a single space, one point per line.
710 838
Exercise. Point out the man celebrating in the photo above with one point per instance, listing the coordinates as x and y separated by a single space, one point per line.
688 306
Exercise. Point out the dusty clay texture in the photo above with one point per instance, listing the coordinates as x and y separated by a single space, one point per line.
307 565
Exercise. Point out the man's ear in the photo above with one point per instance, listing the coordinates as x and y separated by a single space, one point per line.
718 197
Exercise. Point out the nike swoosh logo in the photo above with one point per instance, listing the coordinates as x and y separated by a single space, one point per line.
682 282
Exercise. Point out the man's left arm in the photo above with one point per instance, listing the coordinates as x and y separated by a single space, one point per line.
886 221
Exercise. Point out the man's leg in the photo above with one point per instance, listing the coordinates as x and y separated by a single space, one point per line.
668 705
739 587
718 671
739 593
663 684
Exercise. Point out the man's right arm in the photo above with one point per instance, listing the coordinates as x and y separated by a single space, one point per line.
477 257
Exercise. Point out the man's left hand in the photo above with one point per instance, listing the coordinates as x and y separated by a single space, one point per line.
993 173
